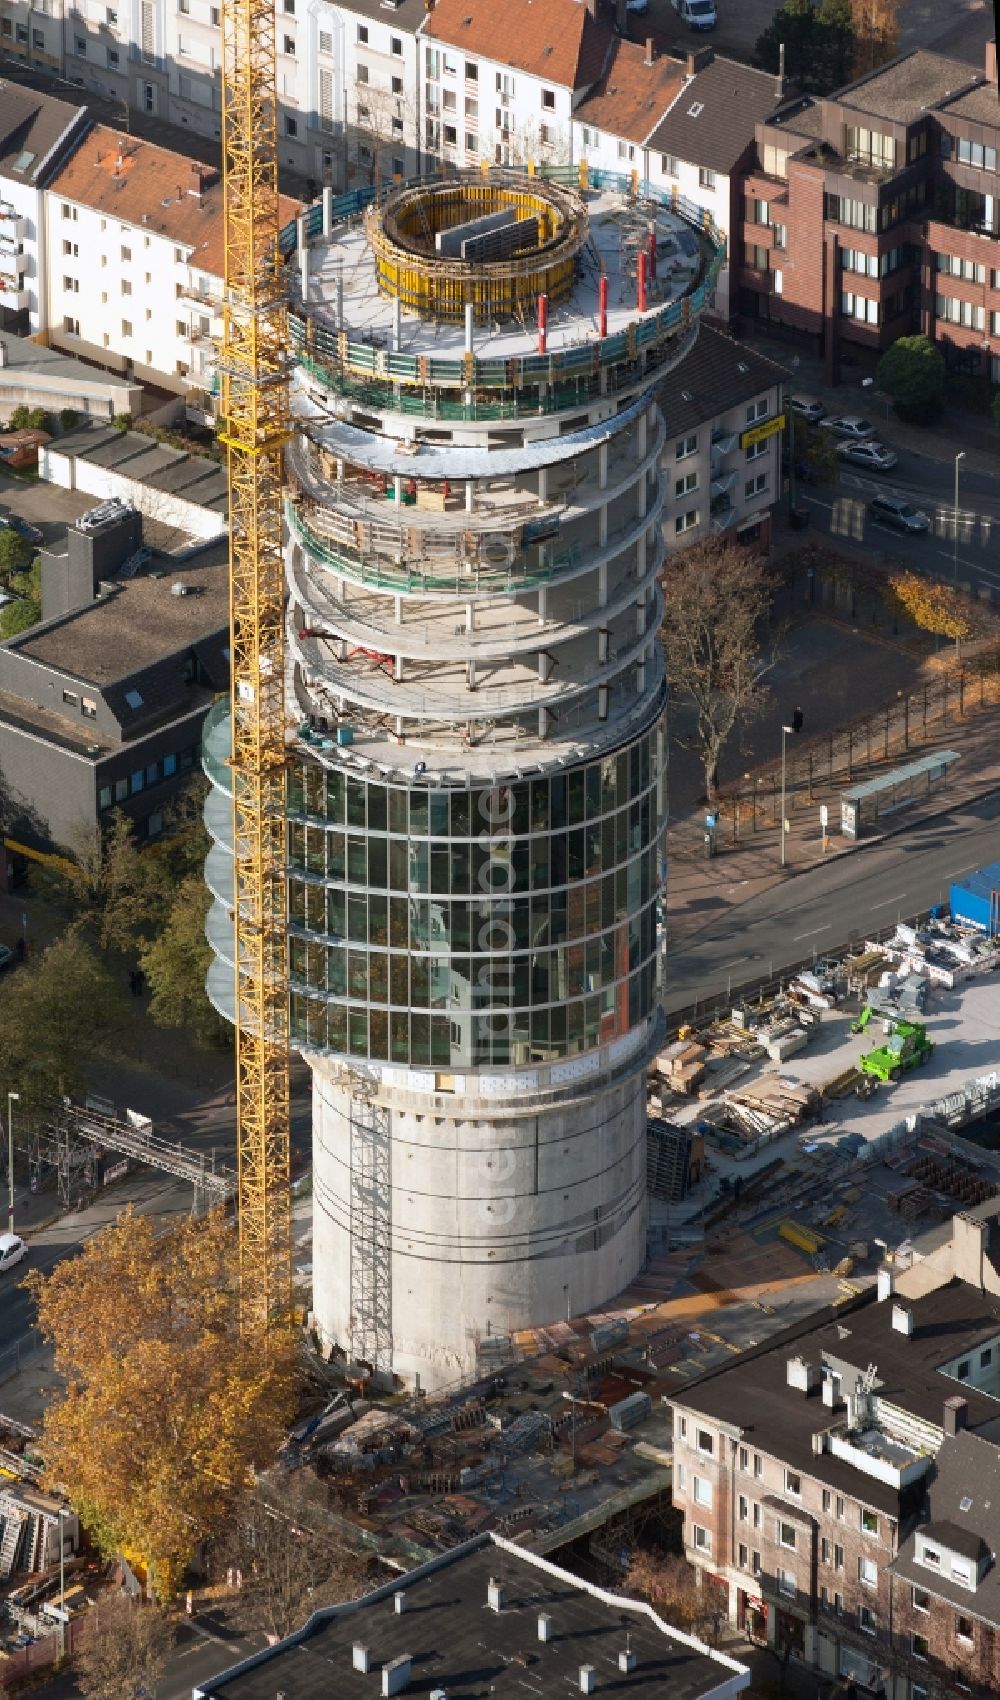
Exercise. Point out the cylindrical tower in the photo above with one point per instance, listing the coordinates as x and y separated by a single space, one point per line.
477 750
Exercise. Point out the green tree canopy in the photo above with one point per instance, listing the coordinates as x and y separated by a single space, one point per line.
818 40
55 1013
912 372
15 552
176 961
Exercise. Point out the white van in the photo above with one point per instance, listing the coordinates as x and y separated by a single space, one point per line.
697 14
12 1250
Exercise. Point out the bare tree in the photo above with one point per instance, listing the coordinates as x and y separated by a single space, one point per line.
288 1561
670 1584
126 1652
718 598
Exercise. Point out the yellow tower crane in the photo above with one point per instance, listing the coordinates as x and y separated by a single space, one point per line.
255 419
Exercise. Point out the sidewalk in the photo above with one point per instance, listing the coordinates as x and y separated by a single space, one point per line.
973 431
700 891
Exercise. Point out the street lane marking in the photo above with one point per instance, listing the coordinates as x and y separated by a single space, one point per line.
813 932
887 900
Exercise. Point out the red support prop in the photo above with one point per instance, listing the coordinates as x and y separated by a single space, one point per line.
643 263
602 302
543 322
652 251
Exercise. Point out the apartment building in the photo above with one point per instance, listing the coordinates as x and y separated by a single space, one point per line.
875 213
134 235
704 143
613 123
839 1483
722 456
500 85
36 135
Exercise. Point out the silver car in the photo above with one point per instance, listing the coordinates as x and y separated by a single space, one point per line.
807 407
850 427
875 456
897 512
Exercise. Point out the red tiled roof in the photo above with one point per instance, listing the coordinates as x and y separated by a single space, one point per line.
141 184
556 40
633 95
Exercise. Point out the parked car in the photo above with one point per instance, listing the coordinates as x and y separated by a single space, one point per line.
6 954
697 14
807 407
875 456
12 1250
848 426
29 532
898 513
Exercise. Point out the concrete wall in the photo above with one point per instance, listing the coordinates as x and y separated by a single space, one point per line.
47 794
493 1219
74 472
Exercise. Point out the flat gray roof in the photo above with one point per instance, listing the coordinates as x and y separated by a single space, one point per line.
909 86
899 775
196 478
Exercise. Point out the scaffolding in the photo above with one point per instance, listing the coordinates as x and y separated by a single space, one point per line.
371 1231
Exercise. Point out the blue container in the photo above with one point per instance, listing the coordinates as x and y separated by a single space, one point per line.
975 900
345 735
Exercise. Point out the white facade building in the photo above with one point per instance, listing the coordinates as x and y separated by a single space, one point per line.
36 133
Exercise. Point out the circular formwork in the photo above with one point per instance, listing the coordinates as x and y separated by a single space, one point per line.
404 228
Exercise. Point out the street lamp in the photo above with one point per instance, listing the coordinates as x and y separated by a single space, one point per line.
62 1582
12 1099
786 731
960 456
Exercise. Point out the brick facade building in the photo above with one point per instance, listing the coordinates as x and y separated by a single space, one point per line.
840 1484
875 214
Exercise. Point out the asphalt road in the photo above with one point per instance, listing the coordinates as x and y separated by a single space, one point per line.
204 1649
841 511
831 906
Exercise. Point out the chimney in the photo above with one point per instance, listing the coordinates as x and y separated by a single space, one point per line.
544 1626
396 1675
956 1415
886 1282
495 1597
588 1679
697 59
902 1319
399 1603
361 1658
650 50
780 85
802 1375
627 1660
991 62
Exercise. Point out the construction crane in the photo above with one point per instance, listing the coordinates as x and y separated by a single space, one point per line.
254 373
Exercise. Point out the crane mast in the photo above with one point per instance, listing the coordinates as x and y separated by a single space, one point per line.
253 367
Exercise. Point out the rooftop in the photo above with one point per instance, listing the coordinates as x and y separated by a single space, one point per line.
32 126
714 376
196 478
712 123
139 623
52 368
458 1644
977 106
963 1500
633 93
557 41
908 87
140 184
947 1322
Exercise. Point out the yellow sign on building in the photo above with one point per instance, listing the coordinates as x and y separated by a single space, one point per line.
758 433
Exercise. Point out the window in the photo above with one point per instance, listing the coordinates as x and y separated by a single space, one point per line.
855 260
755 486
104 797
705 1441
680 1476
744 1557
856 215
549 100
756 1515
779 233
88 708
37 38
961 1573
758 212
669 165
744 1458
775 161
361 73
325 41
870 147
975 153
72 698
449 101
706 178
702 1539
686 522
288 45
867 1620
869 1522
916 147
838 1604
289 7
114 58
868 1572
755 256
786 1584
126 327
72 248
471 72
450 135
169 766
838 1557
963 1370
859 307
71 285
81 47
970 270
755 1564
840 1506
973 318
626 151
363 33
986 1358
921 1601
918 1645
397 87
702 1491
686 446
786 1536
827 1499
396 46
757 450
758 1465
743 1508
684 486
71 326
126 286
963 1629
683 1427
546 133
931 1556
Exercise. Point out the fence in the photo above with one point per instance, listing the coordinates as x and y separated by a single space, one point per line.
12 1360
38 1655
879 738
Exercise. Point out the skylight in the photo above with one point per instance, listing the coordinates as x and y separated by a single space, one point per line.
24 159
134 699
695 110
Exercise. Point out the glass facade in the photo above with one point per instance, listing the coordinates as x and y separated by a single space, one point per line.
443 928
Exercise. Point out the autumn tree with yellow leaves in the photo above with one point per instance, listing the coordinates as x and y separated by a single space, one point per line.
932 606
166 1410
